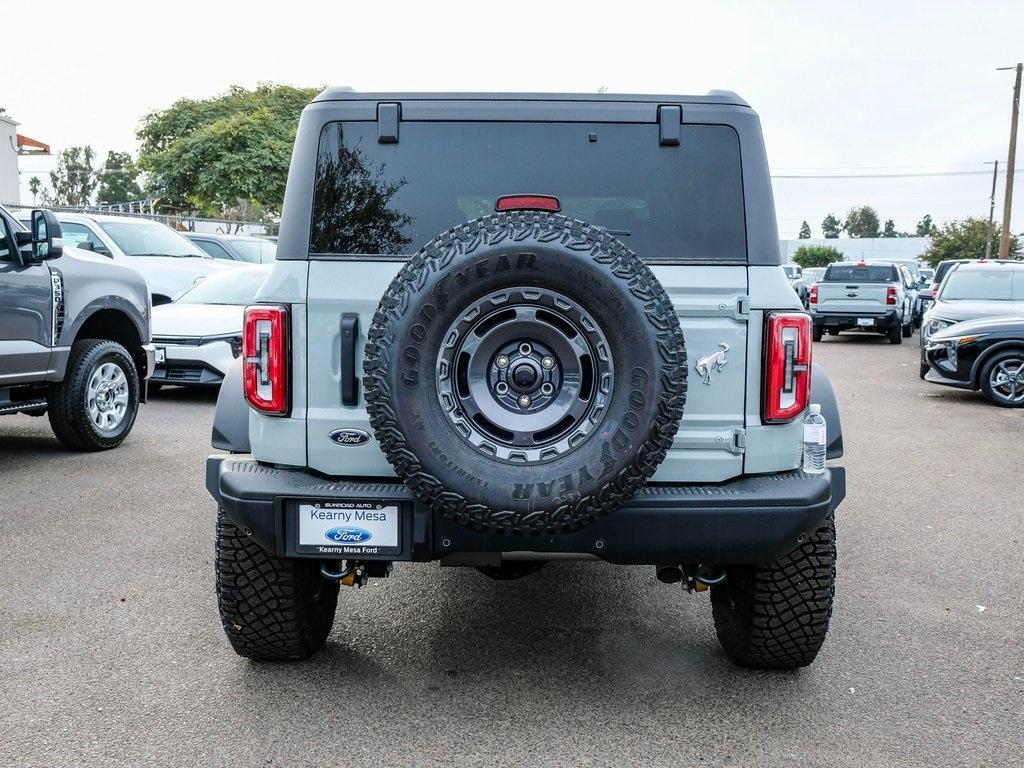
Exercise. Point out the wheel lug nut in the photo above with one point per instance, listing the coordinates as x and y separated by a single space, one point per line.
524 401
547 362
502 361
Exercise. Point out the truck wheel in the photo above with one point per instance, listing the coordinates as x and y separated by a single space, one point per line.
1002 380
896 334
908 330
525 373
272 609
776 617
94 407
818 332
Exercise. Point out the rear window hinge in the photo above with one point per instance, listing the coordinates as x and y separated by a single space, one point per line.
389 115
742 305
670 120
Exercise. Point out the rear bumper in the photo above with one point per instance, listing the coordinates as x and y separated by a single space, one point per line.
754 519
846 320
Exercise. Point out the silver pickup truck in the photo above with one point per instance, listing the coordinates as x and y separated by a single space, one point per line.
859 296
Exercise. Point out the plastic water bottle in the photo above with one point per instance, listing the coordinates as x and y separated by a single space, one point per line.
814 441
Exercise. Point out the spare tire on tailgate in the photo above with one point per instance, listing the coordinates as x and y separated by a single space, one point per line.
525 373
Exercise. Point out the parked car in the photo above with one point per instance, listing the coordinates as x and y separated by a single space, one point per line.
255 250
74 335
985 354
169 263
875 297
970 290
808 277
794 274
464 304
198 336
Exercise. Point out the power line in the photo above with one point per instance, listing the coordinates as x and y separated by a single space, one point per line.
881 175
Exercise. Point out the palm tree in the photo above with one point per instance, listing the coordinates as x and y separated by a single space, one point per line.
33 186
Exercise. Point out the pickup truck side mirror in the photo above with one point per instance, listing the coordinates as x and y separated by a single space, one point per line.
47 240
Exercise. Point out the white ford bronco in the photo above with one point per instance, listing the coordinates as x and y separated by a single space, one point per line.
505 329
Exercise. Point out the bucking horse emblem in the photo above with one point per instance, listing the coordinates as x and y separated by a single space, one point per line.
708 364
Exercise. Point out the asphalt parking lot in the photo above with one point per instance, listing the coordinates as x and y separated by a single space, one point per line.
111 651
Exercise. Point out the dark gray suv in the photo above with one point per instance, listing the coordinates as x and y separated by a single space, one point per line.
74 335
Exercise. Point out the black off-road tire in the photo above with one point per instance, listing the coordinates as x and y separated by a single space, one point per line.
818 332
515 254
908 330
272 609
776 617
67 400
895 334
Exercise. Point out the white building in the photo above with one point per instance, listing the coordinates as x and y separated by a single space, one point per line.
13 144
8 161
863 248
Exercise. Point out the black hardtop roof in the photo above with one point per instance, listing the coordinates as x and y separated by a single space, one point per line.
344 93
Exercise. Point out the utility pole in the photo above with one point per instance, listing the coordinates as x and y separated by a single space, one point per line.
991 211
1004 236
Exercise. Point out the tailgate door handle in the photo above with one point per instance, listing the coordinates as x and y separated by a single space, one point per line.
349 380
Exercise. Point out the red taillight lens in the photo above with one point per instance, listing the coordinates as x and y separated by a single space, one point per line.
265 358
813 298
787 358
528 203
890 295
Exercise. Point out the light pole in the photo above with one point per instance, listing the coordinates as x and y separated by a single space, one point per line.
991 210
1004 236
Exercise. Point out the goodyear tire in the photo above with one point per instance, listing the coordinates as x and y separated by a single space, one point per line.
272 609
776 617
525 373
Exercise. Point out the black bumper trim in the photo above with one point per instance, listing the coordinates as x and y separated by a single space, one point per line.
754 519
888 320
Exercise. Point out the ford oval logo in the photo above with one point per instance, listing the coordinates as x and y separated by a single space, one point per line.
349 437
348 535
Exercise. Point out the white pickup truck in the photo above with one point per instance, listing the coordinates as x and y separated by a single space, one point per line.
858 296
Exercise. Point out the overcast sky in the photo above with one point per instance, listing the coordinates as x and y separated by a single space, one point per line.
841 88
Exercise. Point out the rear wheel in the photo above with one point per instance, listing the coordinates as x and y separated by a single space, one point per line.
818 332
94 407
895 334
776 617
272 609
908 330
1002 380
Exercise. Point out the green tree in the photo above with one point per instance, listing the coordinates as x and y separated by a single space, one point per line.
890 229
218 153
74 180
861 222
925 226
831 227
34 185
805 231
816 255
118 179
964 239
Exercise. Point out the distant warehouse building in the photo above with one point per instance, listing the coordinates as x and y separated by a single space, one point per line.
864 248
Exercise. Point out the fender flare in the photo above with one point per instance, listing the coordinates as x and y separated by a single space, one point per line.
231 418
823 394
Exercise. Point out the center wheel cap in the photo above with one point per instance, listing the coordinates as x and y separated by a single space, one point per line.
524 378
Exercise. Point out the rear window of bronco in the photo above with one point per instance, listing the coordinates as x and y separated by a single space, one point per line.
851 273
669 203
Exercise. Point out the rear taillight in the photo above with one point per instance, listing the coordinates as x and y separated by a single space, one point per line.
265 358
787 358
813 298
890 295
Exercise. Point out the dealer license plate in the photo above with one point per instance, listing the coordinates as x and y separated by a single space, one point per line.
865 321
350 526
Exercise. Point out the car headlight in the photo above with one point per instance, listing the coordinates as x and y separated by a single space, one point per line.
935 325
